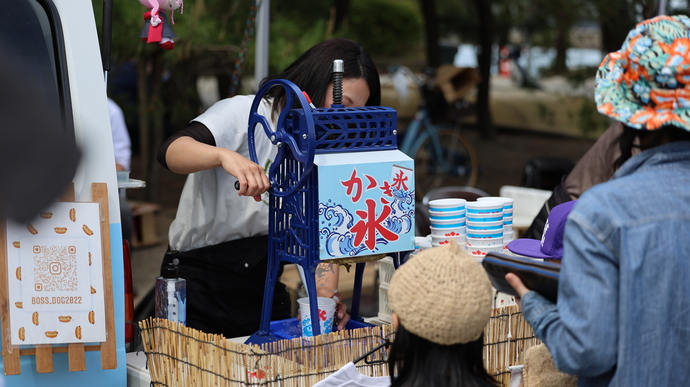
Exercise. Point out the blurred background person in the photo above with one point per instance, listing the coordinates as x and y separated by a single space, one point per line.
123 157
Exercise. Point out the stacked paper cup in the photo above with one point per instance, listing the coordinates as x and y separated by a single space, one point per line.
484 227
447 219
421 243
507 216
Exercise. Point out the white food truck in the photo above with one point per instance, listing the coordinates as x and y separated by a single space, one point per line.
65 333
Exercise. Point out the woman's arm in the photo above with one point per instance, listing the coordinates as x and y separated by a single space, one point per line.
327 276
187 155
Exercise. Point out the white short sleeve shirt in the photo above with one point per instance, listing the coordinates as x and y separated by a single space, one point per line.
210 210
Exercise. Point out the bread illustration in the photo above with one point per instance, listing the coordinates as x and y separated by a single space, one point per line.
19 304
87 230
92 317
77 332
31 229
93 291
18 273
60 230
34 318
51 334
89 258
65 319
73 214
22 334
16 244
46 215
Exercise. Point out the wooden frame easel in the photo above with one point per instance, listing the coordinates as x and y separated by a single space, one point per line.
75 351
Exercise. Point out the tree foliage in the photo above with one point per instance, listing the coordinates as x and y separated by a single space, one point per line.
211 33
386 27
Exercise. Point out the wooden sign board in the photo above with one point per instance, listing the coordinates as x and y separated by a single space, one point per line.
58 285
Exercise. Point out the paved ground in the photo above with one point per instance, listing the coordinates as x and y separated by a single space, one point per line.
501 163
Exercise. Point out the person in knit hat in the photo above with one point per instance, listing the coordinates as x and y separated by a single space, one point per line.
623 291
441 302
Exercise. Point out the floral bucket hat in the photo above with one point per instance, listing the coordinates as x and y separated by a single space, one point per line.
646 84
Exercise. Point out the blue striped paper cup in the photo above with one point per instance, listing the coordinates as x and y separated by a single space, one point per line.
477 234
445 205
485 217
507 202
449 232
484 242
497 225
484 207
446 214
448 223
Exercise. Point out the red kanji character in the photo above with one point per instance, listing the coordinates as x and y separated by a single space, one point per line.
370 225
399 181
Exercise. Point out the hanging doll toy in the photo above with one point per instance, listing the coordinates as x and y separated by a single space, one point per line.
156 28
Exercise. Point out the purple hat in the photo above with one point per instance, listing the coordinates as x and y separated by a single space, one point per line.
551 244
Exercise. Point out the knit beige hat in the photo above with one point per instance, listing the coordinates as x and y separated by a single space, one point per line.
539 370
442 295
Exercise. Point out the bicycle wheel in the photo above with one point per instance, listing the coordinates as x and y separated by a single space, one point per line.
445 157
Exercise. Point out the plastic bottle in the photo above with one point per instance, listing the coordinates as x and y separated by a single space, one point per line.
171 292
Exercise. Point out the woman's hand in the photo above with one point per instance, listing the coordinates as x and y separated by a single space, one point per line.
341 315
327 278
250 175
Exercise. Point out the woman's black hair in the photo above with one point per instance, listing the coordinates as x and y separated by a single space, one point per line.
625 144
312 72
414 361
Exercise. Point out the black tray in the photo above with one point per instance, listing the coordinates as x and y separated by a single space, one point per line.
541 277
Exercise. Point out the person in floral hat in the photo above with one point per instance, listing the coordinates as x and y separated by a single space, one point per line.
624 292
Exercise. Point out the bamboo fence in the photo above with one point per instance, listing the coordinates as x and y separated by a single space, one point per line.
506 338
182 356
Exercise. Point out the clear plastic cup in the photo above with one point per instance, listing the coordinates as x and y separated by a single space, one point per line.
326 315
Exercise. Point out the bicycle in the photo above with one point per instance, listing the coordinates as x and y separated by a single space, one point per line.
442 154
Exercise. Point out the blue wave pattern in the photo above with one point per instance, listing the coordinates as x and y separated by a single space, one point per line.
308 331
336 224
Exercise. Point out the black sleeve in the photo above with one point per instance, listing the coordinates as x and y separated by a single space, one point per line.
195 130
558 196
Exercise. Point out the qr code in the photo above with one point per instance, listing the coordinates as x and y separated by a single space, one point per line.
55 268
